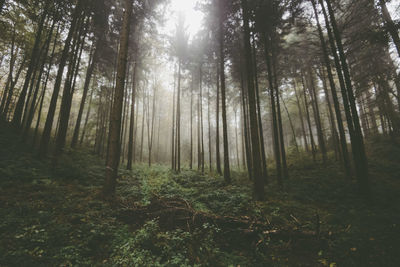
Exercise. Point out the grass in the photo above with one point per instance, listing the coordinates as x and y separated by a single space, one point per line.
54 217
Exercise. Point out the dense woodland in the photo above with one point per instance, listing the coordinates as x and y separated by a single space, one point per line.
268 137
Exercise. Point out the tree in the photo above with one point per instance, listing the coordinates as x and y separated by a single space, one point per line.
114 147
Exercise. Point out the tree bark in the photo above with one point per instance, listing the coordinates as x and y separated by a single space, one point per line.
32 66
227 172
44 143
257 166
115 119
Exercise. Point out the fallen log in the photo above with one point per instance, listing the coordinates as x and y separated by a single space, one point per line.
174 213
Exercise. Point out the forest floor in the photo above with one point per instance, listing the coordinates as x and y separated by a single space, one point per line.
55 217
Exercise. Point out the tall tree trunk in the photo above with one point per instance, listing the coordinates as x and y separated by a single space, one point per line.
257 165
359 155
317 118
291 124
87 118
178 119
227 172
308 120
237 141
88 77
173 167
259 120
31 112
209 130
345 154
334 133
285 170
32 66
217 158
13 58
68 92
249 161
44 143
201 118
275 134
191 125
115 120
132 120
300 115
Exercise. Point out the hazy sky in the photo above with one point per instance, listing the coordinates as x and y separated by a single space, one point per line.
194 18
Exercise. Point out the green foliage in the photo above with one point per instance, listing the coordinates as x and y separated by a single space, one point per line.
53 217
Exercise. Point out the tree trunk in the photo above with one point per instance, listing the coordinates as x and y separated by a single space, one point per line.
173 167
227 172
31 112
257 165
217 158
44 143
308 119
115 119
68 92
88 77
132 120
178 120
191 125
273 110
343 143
300 115
87 118
317 118
32 66
259 120
359 155
209 130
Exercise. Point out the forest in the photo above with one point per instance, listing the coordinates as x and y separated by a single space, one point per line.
199 132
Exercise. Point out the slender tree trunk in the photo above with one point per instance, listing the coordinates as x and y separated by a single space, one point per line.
191 125
237 141
359 155
44 143
6 109
32 66
88 77
87 118
142 135
308 120
300 115
257 165
249 161
227 172
13 58
173 128
259 120
217 158
201 118
334 133
115 120
31 112
291 124
317 118
285 170
209 129
132 120
343 142
178 119
273 110
68 92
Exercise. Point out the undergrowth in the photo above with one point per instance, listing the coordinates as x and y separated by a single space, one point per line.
54 217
